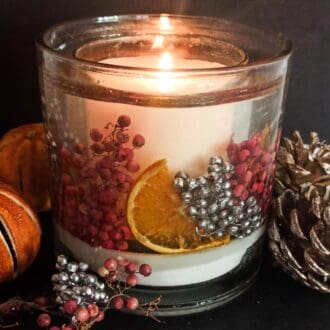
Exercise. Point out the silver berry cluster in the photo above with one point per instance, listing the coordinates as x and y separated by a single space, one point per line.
74 282
210 201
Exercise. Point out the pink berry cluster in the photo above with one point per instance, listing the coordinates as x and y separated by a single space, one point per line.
253 169
95 182
121 275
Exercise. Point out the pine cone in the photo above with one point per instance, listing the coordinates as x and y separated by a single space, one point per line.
299 237
301 166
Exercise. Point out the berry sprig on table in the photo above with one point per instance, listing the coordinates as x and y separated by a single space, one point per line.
82 310
96 179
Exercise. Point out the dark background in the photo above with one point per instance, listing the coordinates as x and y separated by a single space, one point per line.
275 301
305 22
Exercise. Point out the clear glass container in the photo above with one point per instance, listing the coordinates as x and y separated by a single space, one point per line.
162 134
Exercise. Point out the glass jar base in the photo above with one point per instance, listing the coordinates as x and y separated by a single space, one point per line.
190 299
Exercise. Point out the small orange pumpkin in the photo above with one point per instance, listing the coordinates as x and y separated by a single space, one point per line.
24 164
20 234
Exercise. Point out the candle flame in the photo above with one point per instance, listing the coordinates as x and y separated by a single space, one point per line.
164 23
166 61
164 78
159 42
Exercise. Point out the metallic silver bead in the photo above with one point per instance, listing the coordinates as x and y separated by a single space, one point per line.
237 210
248 231
186 197
210 227
224 223
76 290
230 203
251 201
246 224
90 279
219 234
233 230
214 218
72 267
216 160
86 291
192 210
77 298
74 277
59 287
228 194
83 266
222 203
214 168
192 184
228 167
223 214
201 203
97 296
213 176
249 211
202 212
66 294
103 295
182 175
242 203
213 208
255 218
63 277
204 223
230 219
101 285
241 216
62 260
216 187
55 278
203 192
202 181
179 183
81 275
59 300
226 185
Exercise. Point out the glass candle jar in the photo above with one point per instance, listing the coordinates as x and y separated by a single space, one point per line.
162 134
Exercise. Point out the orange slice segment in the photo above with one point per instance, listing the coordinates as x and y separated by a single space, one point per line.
157 218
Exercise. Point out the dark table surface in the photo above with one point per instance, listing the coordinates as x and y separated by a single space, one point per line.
273 302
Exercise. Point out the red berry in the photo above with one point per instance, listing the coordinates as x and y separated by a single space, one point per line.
93 230
247 176
100 317
43 320
65 153
128 153
256 151
238 190
243 155
262 176
110 146
124 187
261 187
108 244
244 195
119 176
131 268
132 166
124 121
117 302
254 187
82 314
122 137
110 216
132 303
105 173
70 306
145 270
131 280
266 159
93 310
121 245
138 141
126 232
70 190
66 178
78 148
111 264
54 327
241 168
68 327
97 147
42 301
104 236
95 134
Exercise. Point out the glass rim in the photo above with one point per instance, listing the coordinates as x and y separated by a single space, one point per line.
286 49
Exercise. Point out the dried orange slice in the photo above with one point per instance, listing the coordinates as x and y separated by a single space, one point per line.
156 215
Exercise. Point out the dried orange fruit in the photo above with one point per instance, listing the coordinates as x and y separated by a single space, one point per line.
157 218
